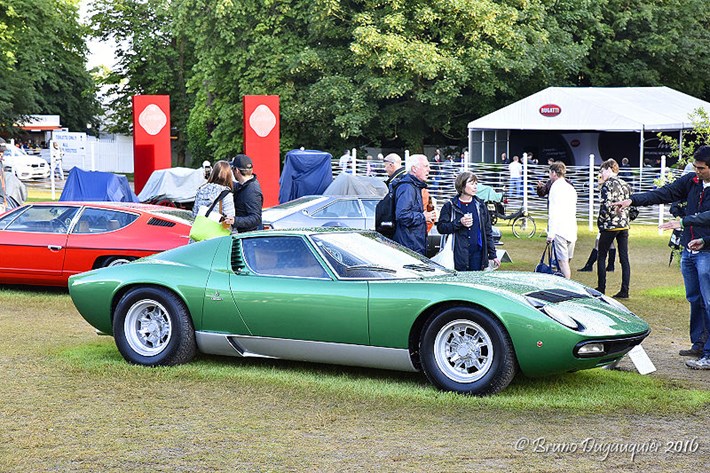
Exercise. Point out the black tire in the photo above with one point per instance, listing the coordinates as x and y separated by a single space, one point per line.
486 346
152 327
524 227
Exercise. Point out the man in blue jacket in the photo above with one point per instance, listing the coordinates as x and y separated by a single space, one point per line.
411 218
695 262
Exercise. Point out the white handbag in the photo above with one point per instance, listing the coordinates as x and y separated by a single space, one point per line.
445 256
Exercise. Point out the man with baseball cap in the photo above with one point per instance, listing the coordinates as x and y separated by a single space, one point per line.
248 198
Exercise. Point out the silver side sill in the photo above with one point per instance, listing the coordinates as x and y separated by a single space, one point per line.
304 350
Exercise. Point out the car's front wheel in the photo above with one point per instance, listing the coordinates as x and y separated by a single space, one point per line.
152 327
467 351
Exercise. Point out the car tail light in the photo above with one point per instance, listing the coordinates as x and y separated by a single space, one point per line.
267 226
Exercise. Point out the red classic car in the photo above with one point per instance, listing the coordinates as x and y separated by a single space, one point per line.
46 242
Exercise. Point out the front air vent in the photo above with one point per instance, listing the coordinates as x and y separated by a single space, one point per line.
237 257
158 222
556 295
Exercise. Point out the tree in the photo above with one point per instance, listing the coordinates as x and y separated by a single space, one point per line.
42 63
387 72
377 72
692 139
650 43
152 58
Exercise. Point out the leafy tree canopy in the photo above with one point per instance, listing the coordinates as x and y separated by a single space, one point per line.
43 63
388 72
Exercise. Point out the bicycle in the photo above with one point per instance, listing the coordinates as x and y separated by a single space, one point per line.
522 223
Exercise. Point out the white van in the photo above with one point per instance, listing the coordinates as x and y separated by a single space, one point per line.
23 165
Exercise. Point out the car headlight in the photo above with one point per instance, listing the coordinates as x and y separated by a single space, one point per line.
554 313
560 316
609 300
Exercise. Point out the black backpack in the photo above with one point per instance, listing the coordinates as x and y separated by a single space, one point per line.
385 218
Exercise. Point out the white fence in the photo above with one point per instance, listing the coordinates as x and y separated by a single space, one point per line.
442 176
108 155
112 154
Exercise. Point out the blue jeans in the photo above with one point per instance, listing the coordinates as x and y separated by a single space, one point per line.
516 187
695 268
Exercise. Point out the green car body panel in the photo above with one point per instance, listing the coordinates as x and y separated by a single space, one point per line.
386 313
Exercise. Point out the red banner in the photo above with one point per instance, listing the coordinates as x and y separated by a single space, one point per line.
151 137
261 142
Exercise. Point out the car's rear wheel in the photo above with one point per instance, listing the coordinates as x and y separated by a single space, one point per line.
152 327
467 351
116 261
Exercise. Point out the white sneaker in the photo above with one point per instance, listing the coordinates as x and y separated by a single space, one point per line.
699 364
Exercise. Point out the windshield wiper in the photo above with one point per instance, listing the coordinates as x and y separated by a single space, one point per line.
418 267
370 267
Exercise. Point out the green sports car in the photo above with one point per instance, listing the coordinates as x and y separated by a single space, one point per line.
353 298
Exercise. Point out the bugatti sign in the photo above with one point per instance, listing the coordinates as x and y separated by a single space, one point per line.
550 110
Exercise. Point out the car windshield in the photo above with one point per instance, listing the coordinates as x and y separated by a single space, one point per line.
372 256
280 211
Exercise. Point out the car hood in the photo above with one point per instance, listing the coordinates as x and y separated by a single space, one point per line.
597 316
514 282
25 159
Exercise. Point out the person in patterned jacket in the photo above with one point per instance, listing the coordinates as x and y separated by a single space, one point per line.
613 225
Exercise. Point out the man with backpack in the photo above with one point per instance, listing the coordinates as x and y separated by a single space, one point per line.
410 217
393 167
384 212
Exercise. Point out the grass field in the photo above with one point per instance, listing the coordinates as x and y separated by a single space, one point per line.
70 402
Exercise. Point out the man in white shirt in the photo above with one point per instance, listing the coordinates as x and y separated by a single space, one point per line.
562 217
345 162
55 160
516 177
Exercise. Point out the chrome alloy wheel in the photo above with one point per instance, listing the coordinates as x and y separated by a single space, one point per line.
463 351
147 327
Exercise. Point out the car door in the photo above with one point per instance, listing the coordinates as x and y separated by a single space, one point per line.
34 244
95 235
285 292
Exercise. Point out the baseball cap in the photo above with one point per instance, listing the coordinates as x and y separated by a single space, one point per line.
242 161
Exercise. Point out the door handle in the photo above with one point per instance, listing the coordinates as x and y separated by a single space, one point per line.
54 247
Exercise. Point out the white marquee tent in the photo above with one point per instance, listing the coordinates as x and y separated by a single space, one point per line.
614 109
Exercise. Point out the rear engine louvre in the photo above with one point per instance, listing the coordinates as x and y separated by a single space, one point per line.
160 222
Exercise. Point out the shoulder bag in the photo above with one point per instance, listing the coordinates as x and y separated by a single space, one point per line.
208 224
445 256
551 266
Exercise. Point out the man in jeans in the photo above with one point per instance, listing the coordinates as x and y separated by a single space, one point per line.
695 261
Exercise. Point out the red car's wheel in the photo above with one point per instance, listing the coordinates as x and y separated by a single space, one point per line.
116 261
